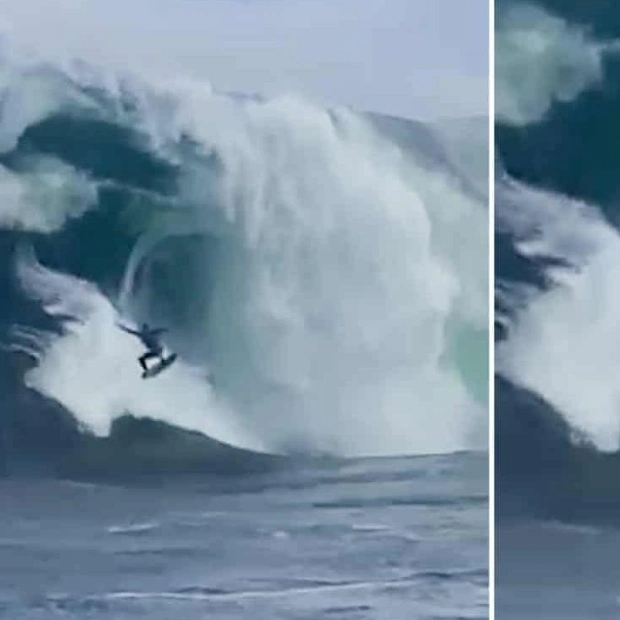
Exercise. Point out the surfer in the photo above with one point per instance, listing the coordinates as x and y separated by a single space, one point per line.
149 337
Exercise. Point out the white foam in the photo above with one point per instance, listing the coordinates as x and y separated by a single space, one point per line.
344 265
561 343
92 368
540 59
133 528
45 197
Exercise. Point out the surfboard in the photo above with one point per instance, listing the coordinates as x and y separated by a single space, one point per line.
154 370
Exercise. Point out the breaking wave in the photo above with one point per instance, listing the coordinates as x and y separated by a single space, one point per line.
323 274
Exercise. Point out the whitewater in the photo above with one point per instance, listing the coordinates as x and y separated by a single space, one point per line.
556 294
323 278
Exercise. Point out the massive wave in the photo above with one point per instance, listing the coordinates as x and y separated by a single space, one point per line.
558 252
323 274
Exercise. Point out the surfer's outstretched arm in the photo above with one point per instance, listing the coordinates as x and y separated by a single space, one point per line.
129 331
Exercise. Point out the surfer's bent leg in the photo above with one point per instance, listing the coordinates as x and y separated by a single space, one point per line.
147 356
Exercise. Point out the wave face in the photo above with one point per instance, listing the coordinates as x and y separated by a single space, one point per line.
558 252
322 273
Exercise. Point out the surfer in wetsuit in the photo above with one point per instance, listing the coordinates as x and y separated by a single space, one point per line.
149 337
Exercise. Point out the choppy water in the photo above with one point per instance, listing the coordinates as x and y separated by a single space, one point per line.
367 539
556 571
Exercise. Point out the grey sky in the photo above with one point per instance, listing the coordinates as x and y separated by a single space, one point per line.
412 58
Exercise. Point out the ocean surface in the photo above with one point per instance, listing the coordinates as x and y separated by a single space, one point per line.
393 539
557 307
553 570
